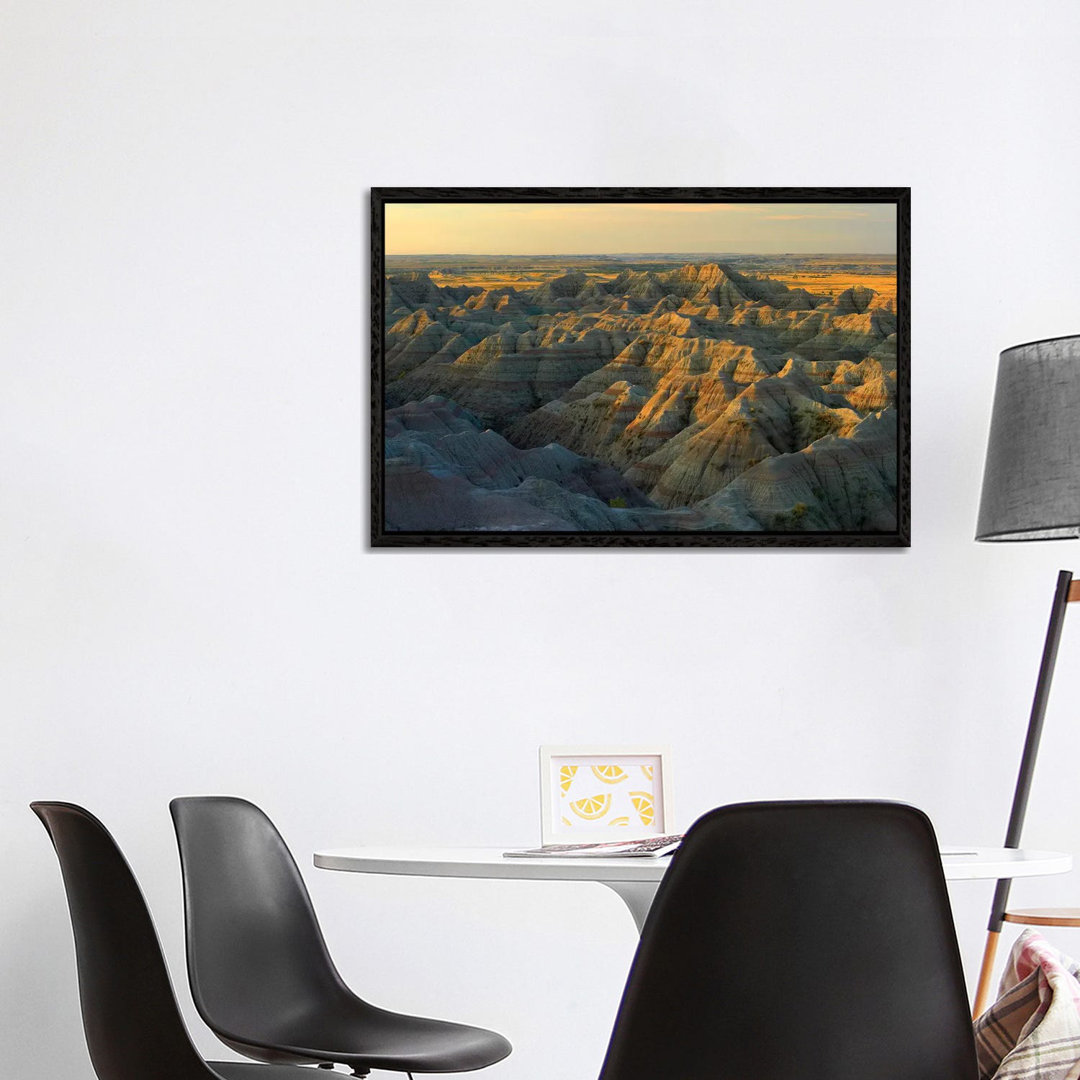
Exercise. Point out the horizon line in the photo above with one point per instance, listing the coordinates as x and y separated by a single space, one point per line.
609 254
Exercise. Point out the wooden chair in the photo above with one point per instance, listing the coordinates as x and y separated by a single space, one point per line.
1050 916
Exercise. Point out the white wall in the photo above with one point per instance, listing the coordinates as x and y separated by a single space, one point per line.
187 604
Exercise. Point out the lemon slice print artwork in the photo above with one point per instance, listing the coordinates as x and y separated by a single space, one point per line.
566 777
643 804
592 808
609 774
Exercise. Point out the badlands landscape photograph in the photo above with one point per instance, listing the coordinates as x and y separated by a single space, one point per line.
638 372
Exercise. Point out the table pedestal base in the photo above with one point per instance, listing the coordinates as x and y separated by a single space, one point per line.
637 896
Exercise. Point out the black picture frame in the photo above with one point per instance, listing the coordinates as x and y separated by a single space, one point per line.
895 533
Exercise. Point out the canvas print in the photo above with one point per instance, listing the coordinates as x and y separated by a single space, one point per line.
623 367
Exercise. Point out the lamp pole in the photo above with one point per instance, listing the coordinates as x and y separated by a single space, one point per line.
1065 592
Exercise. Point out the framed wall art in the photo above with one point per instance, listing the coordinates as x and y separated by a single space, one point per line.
627 367
596 793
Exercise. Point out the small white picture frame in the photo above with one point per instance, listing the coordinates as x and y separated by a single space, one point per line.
596 793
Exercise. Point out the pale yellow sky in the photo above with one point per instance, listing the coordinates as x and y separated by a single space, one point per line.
437 228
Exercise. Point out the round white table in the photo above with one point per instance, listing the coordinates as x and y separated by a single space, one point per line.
636 879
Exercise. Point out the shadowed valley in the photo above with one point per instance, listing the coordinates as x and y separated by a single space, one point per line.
640 394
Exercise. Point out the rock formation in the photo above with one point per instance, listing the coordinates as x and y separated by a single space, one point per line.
690 398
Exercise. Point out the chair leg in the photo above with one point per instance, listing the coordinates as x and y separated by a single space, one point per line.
982 992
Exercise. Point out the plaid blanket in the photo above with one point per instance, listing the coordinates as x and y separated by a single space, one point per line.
1032 1031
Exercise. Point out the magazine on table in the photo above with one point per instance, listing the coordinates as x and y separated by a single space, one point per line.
649 847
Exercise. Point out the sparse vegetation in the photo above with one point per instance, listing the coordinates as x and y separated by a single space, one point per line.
821 424
788 520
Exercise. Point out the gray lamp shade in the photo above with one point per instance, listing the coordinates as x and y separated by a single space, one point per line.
1031 484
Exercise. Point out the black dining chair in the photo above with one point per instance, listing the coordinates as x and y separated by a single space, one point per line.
133 1026
798 941
259 969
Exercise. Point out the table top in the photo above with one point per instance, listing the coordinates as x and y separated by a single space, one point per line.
960 863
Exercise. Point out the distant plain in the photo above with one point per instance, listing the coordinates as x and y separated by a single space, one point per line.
824 275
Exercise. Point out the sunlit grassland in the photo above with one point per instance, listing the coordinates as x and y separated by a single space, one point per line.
831 284
824 283
508 279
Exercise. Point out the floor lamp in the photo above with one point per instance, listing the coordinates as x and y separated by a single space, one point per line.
1031 491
